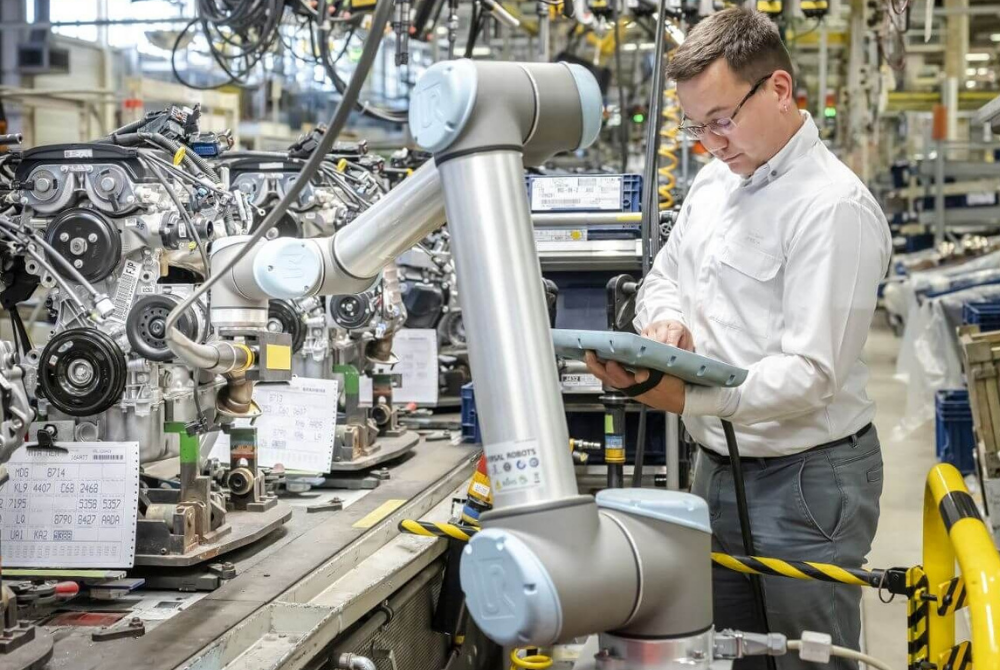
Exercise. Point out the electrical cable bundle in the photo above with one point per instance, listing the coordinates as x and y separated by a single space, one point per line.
330 65
238 33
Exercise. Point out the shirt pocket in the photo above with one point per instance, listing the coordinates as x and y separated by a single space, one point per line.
747 293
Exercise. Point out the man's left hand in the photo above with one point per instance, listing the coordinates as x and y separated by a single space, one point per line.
668 395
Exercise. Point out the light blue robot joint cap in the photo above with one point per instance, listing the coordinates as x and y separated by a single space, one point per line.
442 103
591 103
508 590
682 509
287 267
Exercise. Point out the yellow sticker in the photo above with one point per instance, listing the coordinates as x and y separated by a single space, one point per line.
609 424
384 510
279 357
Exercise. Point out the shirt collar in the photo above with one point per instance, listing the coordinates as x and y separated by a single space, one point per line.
802 141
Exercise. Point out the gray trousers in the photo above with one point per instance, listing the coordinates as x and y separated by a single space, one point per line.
821 506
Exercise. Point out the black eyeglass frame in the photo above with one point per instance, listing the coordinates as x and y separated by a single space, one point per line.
697 131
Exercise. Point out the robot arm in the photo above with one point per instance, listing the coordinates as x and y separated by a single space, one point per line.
546 553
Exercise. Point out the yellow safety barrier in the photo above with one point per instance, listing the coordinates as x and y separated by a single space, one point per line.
954 530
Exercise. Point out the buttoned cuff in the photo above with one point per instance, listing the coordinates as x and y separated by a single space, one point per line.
710 401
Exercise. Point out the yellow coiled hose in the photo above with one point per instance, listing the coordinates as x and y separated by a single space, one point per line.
669 147
535 661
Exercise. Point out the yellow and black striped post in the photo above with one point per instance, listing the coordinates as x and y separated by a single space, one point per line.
918 608
434 529
955 532
953 598
958 657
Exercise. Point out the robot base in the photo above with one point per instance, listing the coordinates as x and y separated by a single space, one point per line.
31 655
243 529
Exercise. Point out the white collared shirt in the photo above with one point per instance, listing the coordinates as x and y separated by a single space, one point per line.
777 273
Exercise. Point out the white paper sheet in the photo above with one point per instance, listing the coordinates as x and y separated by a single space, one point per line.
71 509
299 424
417 351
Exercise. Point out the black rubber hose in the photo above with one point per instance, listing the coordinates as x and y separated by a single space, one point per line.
330 66
129 127
122 139
743 511
623 127
640 449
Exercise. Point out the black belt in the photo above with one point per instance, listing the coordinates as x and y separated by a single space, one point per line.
850 439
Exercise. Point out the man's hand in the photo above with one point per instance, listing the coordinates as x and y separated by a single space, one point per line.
670 332
668 395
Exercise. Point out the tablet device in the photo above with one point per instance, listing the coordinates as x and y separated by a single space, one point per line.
634 351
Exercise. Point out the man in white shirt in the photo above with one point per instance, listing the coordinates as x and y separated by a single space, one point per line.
773 265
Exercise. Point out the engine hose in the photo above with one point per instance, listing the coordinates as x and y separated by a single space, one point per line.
668 149
743 510
191 160
128 128
195 162
535 661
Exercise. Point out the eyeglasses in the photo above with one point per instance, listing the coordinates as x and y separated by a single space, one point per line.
724 126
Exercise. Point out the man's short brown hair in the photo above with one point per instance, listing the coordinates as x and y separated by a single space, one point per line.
746 38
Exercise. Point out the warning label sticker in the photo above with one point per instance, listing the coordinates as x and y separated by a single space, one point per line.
515 465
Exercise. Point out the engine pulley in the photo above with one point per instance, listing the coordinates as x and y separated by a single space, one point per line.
351 311
146 326
282 317
87 240
82 372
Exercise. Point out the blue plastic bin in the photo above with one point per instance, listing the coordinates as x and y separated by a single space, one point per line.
470 420
986 315
956 442
631 190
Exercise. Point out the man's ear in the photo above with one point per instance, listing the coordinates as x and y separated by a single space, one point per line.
782 83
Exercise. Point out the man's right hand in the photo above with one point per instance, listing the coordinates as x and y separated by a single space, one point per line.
670 332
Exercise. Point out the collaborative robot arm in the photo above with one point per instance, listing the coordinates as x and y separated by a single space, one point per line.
546 555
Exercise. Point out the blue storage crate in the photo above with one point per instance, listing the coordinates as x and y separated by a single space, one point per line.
956 442
631 192
919 242
986 315
470 419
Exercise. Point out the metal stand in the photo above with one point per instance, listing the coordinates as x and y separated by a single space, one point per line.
195 524
22 645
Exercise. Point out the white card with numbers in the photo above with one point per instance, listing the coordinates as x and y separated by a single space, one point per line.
74 506
299 423
417 351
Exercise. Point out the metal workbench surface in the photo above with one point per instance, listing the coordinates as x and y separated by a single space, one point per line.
309 554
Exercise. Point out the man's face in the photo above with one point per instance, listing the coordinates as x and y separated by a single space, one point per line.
714 94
